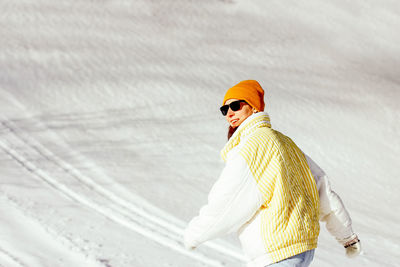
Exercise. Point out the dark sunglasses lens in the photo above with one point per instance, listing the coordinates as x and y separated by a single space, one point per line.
224 109
235 106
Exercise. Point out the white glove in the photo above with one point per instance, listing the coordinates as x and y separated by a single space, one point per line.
189 247
353 247
188 243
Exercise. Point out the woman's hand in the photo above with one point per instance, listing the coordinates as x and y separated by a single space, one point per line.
353 247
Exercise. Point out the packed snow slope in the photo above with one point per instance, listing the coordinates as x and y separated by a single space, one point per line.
110 130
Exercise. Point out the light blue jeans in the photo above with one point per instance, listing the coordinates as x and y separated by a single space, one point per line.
300 260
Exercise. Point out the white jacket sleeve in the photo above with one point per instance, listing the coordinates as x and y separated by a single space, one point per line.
332 210
232 201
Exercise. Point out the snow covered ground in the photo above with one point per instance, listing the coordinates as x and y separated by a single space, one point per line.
110 130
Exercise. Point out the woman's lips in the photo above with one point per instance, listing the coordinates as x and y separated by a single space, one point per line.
234 121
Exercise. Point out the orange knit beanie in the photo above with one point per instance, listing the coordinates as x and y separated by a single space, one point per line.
250 91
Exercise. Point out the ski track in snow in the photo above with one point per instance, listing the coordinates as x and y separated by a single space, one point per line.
147 222
31 224
9 259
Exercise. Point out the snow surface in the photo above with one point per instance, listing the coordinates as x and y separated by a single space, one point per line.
110 131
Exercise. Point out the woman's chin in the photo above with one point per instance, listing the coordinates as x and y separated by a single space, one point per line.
234 125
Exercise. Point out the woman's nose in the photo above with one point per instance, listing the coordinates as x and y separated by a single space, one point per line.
230 112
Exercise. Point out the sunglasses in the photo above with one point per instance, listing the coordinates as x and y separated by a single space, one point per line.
235 106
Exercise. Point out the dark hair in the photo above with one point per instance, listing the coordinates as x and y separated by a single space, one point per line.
231 131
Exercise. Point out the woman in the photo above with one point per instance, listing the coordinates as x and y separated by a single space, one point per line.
269 192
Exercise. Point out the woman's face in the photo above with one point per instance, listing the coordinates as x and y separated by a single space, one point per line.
235 118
